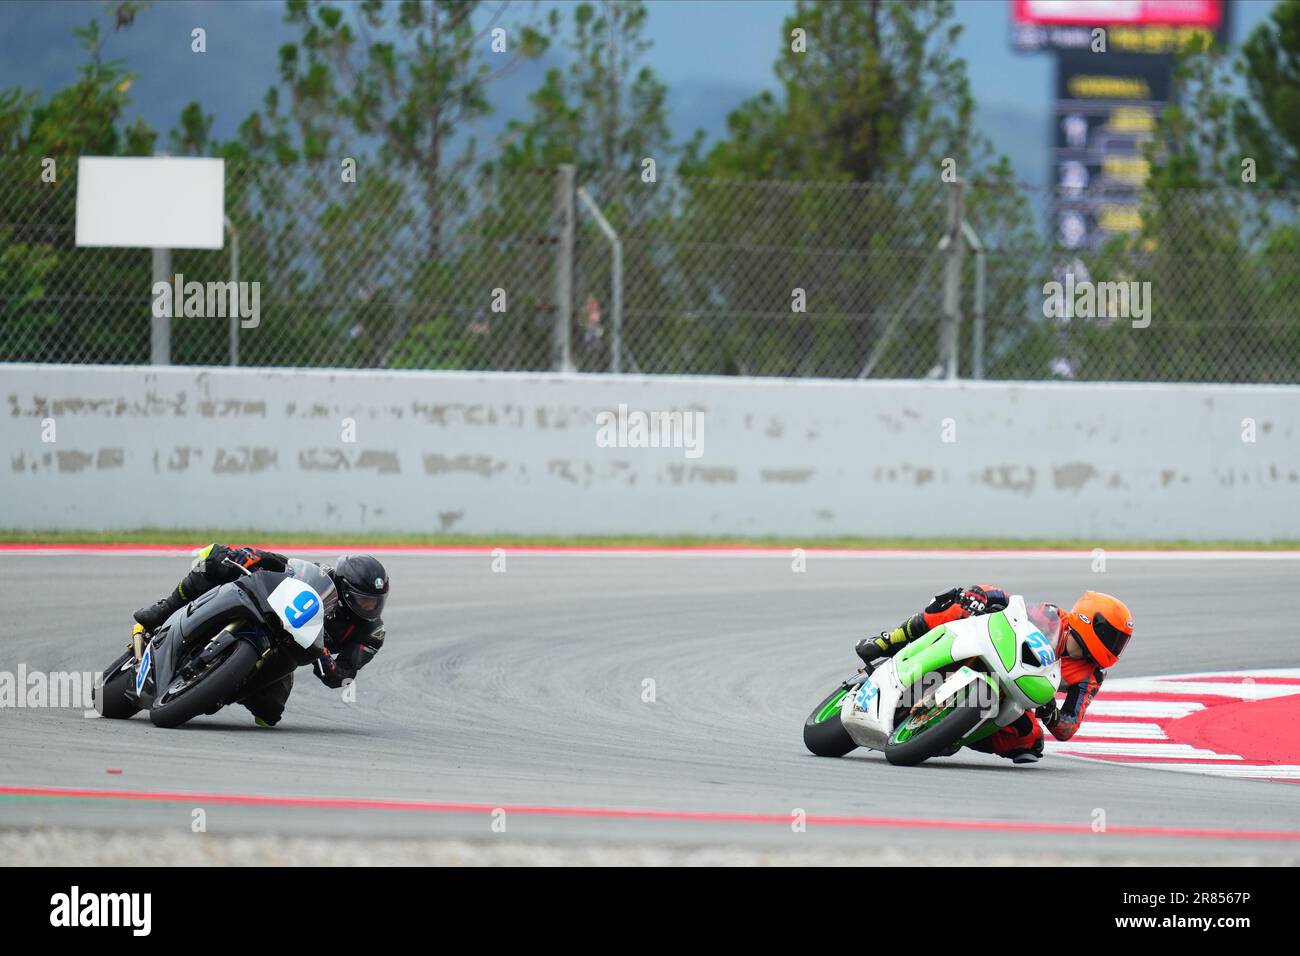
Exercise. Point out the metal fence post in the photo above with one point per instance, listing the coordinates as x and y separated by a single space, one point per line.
234 277
615 278
160 333
561 346
952 282
160 336
977 331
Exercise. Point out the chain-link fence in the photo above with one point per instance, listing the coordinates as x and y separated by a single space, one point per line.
537 270
384 272
766 278
1207 291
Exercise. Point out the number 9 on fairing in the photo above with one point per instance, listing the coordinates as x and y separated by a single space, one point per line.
302 609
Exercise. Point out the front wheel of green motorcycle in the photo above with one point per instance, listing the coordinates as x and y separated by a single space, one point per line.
823 731
932 731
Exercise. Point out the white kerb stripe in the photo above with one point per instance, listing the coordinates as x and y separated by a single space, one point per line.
1268 772
1242 689
1138 749
1126 730
1141 708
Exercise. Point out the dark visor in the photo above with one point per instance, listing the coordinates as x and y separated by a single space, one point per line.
1112 638
368 606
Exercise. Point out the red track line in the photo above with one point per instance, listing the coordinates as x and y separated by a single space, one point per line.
697 816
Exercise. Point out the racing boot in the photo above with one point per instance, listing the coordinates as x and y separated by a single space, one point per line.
151 618
197 582
888 644
1027 754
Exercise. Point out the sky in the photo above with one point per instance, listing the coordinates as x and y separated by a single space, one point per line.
712 54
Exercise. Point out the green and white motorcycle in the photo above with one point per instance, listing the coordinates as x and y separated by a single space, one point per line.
952 687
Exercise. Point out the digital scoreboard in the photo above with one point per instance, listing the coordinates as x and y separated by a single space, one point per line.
1107 103
1151 27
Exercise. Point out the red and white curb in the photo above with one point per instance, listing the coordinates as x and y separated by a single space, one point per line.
1228 724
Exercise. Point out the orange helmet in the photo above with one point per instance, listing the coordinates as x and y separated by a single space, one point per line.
1103 624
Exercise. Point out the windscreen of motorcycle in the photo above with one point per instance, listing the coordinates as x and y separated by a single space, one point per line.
1047 618
311 575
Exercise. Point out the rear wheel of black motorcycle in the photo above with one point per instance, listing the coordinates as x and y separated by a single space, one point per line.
823 731
213 690
111 698
930 733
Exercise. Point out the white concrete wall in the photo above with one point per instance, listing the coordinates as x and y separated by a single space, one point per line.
517 453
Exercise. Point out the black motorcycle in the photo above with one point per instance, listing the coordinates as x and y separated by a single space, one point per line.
207 652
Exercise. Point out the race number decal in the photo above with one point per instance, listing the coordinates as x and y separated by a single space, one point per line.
299 607
142 672
1042 648
303 609
866 694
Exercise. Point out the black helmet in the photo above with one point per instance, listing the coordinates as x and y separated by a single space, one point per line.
362 584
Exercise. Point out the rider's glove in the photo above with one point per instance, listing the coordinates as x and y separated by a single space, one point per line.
249 559
246 558
974 600
1048 714
328 671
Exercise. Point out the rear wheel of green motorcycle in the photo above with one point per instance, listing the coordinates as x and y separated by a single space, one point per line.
823 731
920 736
213 689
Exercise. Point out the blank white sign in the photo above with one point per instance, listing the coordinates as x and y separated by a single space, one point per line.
155 202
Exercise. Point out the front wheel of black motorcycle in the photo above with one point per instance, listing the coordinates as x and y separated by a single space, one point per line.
823 731
110 697
212 689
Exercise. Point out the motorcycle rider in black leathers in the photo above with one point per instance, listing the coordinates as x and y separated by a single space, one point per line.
354 631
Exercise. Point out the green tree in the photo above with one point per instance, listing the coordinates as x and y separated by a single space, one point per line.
86 118
408 76
1203 138
57 302
393 87
1218 247
877 94
605 112
193 137
1267 120
872 96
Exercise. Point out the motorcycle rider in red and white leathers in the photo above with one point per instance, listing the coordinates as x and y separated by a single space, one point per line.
1089 639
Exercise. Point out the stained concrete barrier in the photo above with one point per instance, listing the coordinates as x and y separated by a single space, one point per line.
92 447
